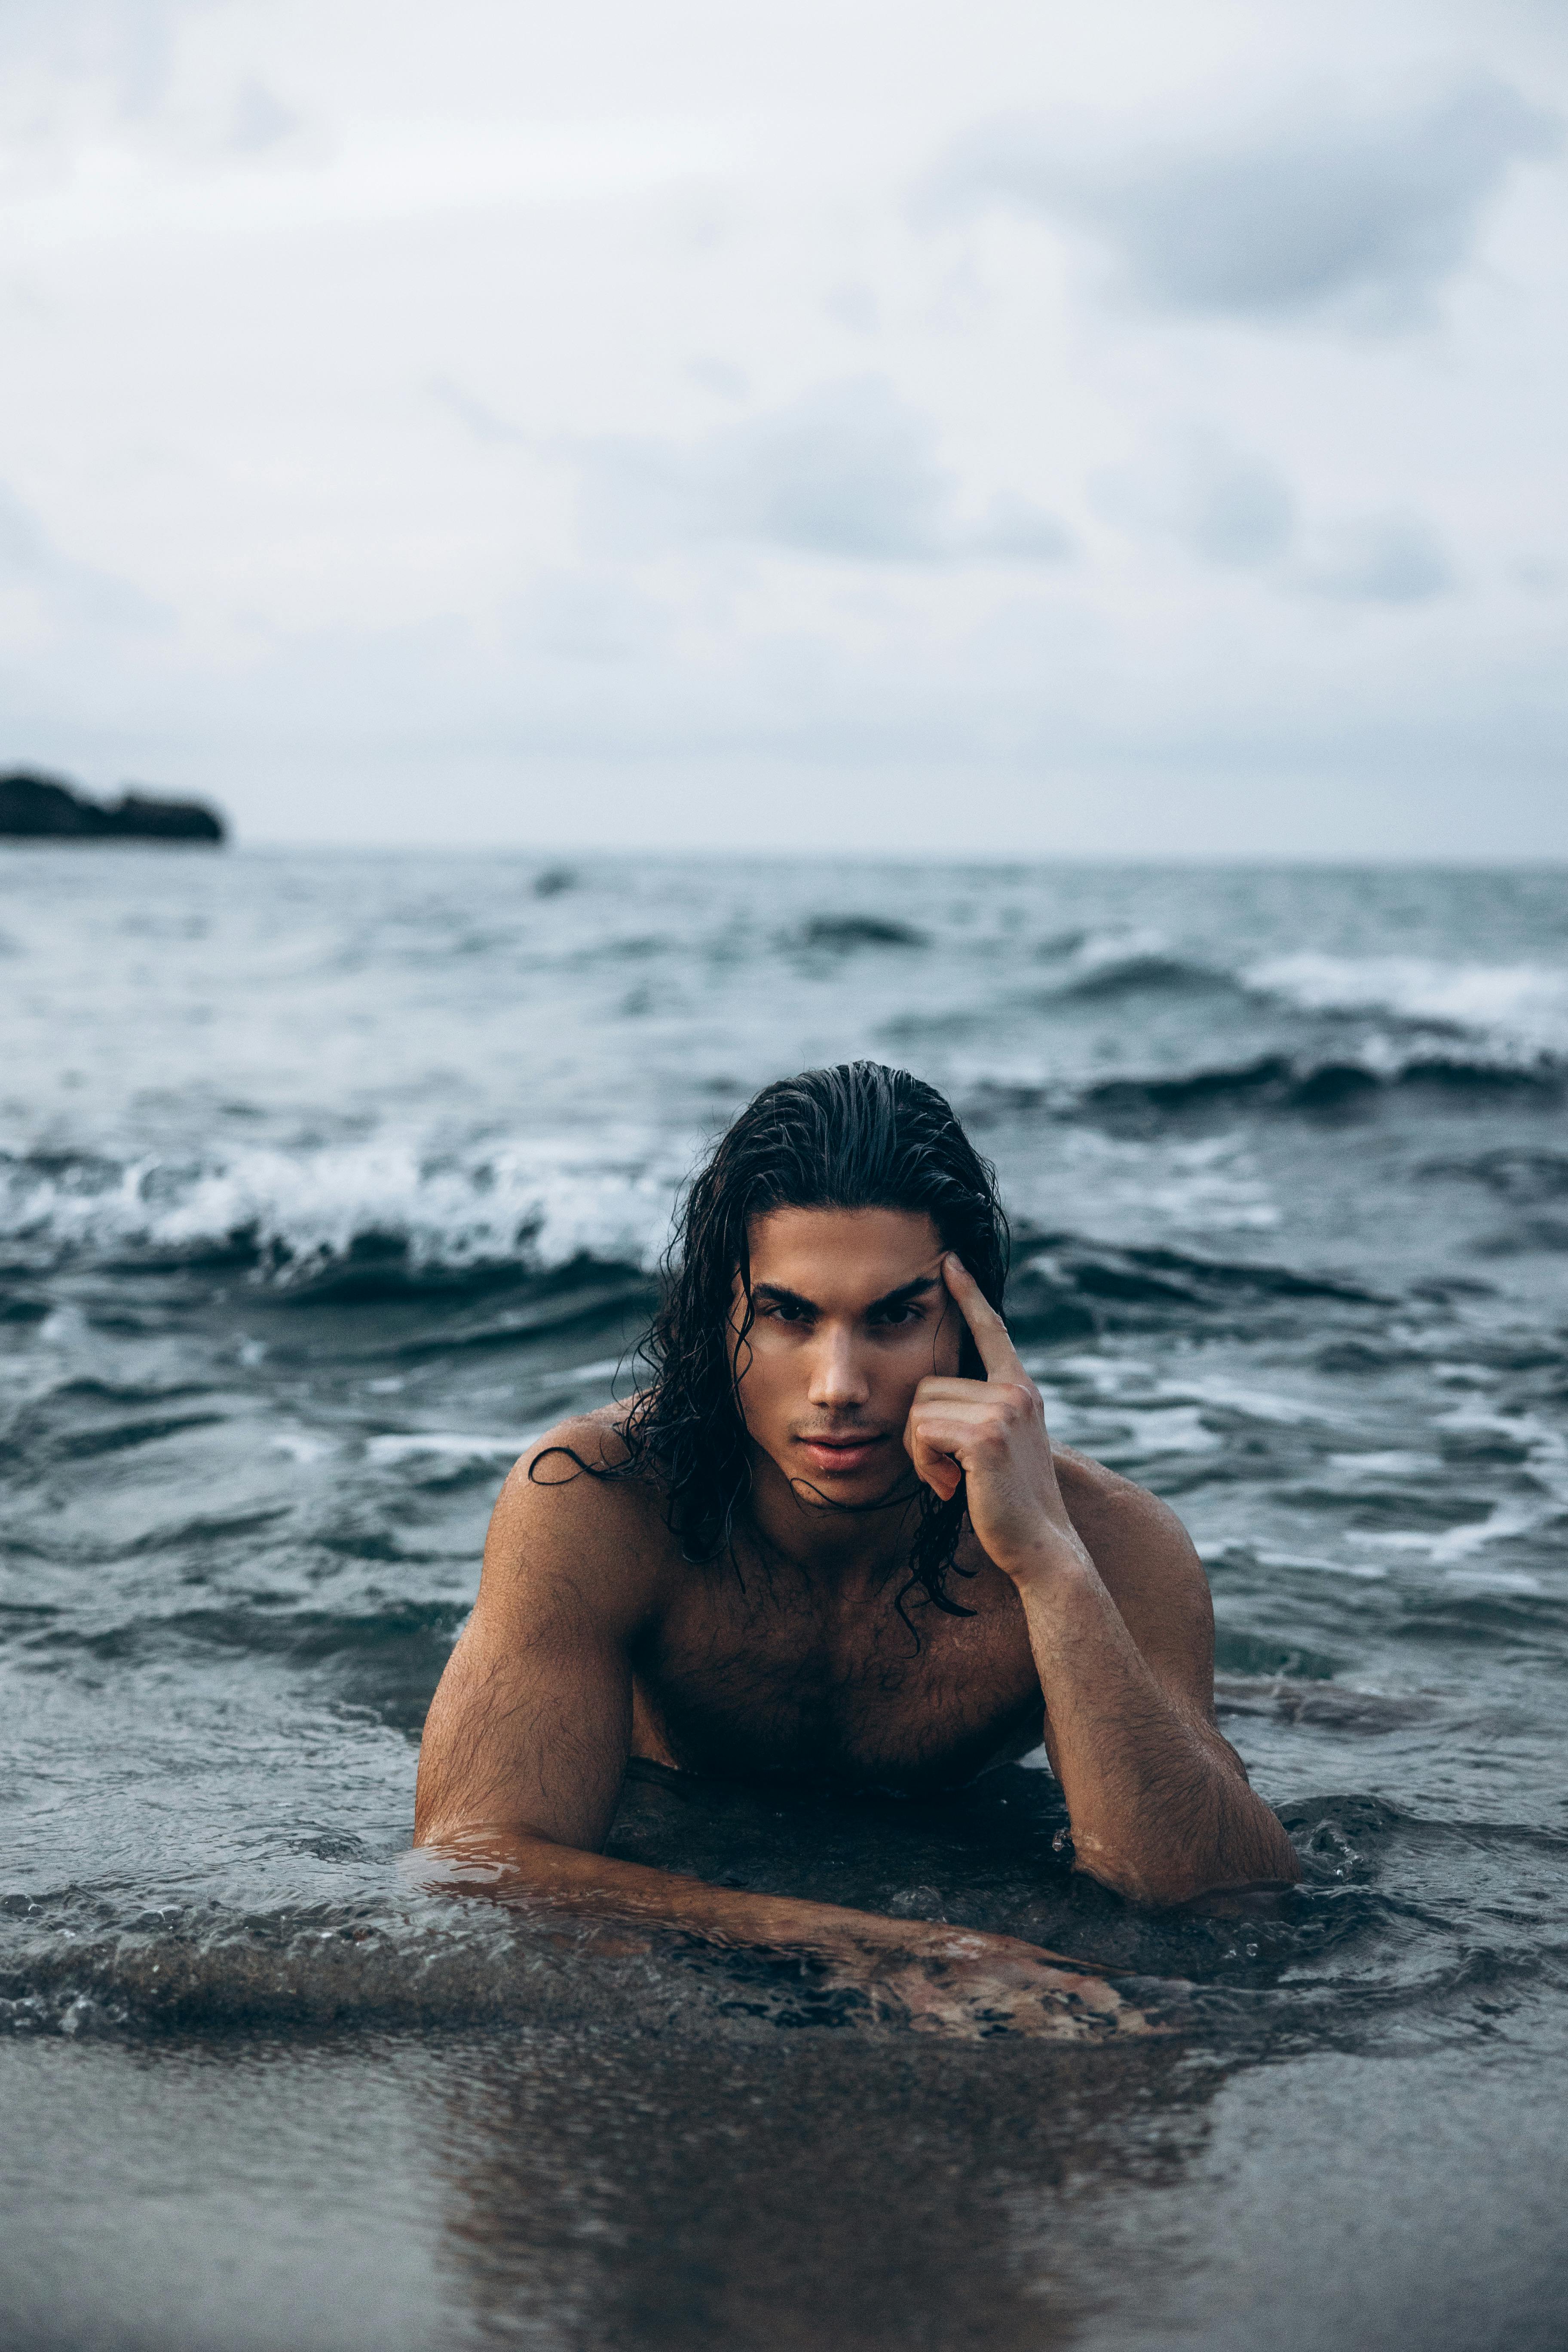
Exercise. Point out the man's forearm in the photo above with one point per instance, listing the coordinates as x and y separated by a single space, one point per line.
1159 1803
522 1867
940 1979
527 1871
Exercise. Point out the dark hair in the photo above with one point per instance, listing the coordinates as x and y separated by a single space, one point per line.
858 1137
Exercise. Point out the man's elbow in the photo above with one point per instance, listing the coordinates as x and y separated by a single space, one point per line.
1152 1881
1165 1880
457 1832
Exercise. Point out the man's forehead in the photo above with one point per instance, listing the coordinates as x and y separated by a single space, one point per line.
845 1254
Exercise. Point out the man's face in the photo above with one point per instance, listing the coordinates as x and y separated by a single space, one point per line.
850 1315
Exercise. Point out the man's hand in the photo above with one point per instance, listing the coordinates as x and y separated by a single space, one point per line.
992 1434
969 1987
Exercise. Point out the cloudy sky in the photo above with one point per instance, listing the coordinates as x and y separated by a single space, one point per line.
864 424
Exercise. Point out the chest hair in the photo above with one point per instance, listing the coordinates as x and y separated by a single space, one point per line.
754 1669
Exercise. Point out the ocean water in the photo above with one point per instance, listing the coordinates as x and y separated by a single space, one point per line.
325 1181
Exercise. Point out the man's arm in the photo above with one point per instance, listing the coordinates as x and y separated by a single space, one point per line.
527 1741
1121 1626
1123 1642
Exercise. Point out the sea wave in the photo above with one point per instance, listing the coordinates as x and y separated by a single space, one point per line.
294 1214
1520 1007
1275 1081
396 1209
1108 967
583 1237
1312 1082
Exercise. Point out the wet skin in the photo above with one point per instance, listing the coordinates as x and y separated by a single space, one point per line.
592 1639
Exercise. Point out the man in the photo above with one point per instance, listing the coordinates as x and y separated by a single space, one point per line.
833 1538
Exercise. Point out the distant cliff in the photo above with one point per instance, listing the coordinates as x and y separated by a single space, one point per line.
41 808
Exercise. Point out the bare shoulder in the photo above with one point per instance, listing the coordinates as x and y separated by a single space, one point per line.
1149 1565
575 1522
1116 1515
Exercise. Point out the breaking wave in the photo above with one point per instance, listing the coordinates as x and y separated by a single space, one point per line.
1523 1009
1108 967
1344 1032
1311 1082
295 1217
295 1214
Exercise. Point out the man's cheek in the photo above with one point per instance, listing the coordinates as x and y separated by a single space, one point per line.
760 1394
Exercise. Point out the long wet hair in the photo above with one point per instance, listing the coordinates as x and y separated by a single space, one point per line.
856 1137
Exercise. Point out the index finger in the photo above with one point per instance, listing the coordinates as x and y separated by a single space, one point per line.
997 1353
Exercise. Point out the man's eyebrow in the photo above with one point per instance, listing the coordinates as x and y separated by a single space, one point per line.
905 1292
782 1298
778 1295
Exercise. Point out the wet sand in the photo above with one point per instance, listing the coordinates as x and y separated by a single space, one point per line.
580 2189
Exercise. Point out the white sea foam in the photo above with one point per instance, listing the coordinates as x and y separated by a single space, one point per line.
1193 1184
1523 1006
1357 1467
1501 1522
444 1445
1493 1579
1215 1551
1256 1403
1102 951
539 1201
1170 1429
300 1446
1360 1569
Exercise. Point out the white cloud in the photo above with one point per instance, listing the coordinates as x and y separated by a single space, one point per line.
259 119
119 48
1392 559
850 471
1225 505
476 415
126 190
45 597
1234 508
1368 213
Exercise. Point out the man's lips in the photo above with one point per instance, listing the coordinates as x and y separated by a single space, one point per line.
841 1454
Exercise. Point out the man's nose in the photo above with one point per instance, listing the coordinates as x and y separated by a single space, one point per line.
836 1376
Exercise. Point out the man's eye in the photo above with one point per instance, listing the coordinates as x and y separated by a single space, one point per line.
784 1311
891 1317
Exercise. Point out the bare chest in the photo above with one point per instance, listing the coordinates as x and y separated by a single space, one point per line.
754 1679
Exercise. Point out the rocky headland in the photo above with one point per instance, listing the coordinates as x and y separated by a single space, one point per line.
45 808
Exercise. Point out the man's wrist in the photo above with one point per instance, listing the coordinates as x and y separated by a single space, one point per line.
1053 1562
